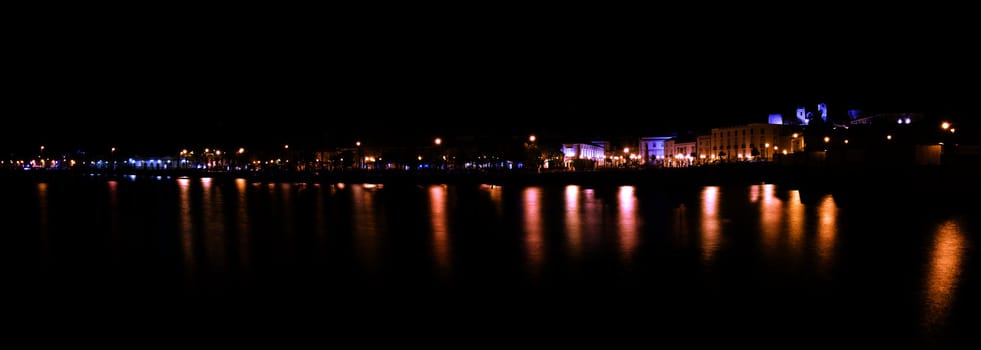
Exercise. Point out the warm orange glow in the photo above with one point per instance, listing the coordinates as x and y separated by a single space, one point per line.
888 137
770 217
357 143
438 141
711 225
795 135
241 150
767 145
573 223
534 232
626 149
795 222
242 216
286 146
827 231
945 125
827 139
440 223
628 222
532 138
943 275
43 215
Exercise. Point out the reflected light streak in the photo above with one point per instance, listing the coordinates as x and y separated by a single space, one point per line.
43 215
827 231
770 215
213 208
440 223
114 213
243 222
573 224
627 224
365 227
534 232
186 225
495 197
795 222
943 274
711 225
754 193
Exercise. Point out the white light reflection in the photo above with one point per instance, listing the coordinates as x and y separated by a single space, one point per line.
534 232
573 224
628 222
711 225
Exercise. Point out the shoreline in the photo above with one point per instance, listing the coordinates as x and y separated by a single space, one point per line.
916 178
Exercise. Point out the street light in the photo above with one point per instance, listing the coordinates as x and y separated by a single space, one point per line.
357 143
532 138
945 125
438 141
766 151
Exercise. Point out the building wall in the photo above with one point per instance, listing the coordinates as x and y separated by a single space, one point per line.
737 142
584 151
652 149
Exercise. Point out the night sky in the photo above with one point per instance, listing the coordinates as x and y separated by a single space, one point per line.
168 78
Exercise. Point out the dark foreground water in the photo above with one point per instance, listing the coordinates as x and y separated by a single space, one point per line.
753 264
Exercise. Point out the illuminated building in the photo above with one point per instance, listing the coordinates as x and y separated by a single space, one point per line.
737 143
588 154
652 149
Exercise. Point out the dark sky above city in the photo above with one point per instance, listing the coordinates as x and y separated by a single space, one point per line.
255 76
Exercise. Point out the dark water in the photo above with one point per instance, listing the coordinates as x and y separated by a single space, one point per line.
748 264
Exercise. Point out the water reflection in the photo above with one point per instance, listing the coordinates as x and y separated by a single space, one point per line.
628 222
212 203
592 219
827 231
242 218
494 192
440 227
44 217
711 225
534 232
944 270
573 224
795 222
770 217
186 225
365 225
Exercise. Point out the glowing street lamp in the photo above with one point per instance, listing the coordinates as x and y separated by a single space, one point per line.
286 146
241 150
827 139
888 137
532 138
438 141
945 125
357 143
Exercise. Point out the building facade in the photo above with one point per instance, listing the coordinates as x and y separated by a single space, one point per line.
755 141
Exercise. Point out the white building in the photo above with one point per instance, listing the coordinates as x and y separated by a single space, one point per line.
573 151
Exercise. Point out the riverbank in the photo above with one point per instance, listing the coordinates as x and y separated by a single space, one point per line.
864 179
